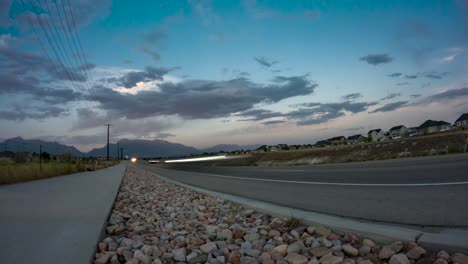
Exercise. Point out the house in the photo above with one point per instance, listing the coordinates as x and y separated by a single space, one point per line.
355 139
431 126
397 131
337 140
412 131
462 121
262 148
322 143
376 134
274 148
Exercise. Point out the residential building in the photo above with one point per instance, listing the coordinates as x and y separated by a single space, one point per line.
431 126
340 140
355 139
462 121
376 134
397 131
322 143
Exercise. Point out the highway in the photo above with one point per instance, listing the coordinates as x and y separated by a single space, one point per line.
430 191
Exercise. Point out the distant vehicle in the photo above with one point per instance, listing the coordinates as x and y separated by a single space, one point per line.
133 159
153 161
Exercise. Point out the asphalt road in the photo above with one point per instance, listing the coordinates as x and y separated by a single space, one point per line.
56 220
431 191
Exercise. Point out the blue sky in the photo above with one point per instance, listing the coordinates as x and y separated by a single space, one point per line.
208 72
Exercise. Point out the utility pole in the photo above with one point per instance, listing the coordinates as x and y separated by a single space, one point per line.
121 153
118 157
108 126
40 158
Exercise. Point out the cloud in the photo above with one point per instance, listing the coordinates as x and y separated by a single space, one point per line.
150 73
396 74
376 59
316 113
415 95
390 96
244 74
351 96
265 61
259 114
127 61
435 75
200 99
390 107
403 83
447 95
20 113
273 122
414 76
257 11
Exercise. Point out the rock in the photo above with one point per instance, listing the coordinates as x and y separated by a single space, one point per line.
224 234
194 258
294 234
144 259
350 250
416 253
322 231
114 260
386 252
349 261
397 246
251 237
440 261
274 233
157 261
444 255
248 212
265 256
282 249
313 261
246 245
459 258
221 259
310 229
268 261
294 258
365 261
325 242
296 247
320 251
211 229
239 232
179 254
102 247
103 259
369 243
399 259
252 253
234 257
364 250
206 248
197 241
330 259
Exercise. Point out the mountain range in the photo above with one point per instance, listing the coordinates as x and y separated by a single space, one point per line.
131 147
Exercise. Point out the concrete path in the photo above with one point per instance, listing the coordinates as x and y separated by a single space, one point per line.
56 220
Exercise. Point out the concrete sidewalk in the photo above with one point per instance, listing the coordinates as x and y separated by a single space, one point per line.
56 220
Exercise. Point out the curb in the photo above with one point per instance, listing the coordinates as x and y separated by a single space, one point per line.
450 240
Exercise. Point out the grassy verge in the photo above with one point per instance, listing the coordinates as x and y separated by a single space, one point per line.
20 172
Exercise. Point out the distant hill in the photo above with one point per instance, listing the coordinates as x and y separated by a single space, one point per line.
19 144
145 149
229 148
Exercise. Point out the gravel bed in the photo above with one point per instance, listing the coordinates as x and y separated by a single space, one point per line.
155 222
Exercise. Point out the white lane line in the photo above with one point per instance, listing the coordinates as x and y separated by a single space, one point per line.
330 183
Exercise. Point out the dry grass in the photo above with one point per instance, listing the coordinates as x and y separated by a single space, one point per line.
20 172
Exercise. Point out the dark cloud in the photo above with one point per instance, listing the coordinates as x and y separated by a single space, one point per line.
414 76
376 59
200 99
403 83
390 96
415 95
153 54
130 79
435 75
273 122
20 113
447 95
258 114
396 74
390 107
351 96
316 113
265 61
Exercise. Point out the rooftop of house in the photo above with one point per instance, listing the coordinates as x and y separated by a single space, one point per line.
336 138
396 127
432 123
355 137
376 130
462 117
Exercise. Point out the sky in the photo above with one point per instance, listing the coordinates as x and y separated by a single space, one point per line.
203 73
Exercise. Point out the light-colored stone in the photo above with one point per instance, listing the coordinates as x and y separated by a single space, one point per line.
208 247
369 243
224 234
274 233
320 251
350 250
179 254
416 252
331 259
296 247
282 249
386 252
459 258
399 259
322 231
294 258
